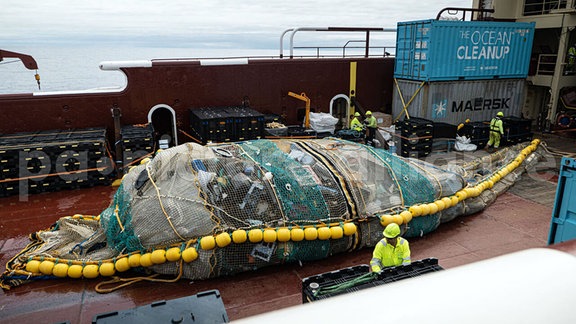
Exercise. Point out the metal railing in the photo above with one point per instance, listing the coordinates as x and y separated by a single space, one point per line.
344 51
546 64
365 30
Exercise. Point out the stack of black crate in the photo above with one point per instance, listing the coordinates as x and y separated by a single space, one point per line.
226 124
137 141
415 137
516 130
53 160
211 125
477 132
248 123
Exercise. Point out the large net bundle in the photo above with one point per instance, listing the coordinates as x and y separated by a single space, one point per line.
229 208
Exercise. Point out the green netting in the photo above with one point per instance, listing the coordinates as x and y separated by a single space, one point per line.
415 186
120 237
299 194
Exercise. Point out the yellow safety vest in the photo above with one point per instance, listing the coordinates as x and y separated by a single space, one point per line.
387 255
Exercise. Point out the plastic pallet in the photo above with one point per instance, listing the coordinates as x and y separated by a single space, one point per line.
204 307
388 275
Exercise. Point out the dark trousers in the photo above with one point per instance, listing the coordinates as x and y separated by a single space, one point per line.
370 136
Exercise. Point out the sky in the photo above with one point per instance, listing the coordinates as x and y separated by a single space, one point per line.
194 23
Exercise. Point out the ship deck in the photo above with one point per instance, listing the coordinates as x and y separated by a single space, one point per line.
519 219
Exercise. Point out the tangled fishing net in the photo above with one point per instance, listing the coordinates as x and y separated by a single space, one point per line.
205 211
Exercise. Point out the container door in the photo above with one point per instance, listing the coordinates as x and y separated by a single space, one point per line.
563 224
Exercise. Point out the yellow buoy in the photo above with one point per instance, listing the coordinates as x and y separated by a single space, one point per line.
386 219
462 195
283 234
223 239
349 229
134 260
90 271
297 234
454 200
158 256
107 269
46 267
324 233
416 210
239 236
336 232
146 260
310 234
441 205
269 235
406 216
33 266
60 270
255 235
144 161
433 208
398 219
190 254
207 242
122 264
425 209
173 254
447 201
75 271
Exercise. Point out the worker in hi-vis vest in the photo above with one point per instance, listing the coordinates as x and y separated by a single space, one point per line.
355 124
371 126
496 130
392 250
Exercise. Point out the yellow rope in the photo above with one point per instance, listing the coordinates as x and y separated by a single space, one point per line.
162 205
118 218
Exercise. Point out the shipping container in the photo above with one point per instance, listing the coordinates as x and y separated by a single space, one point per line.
563 223
455 101
443 50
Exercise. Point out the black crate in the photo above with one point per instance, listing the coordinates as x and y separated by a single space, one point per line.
212 124
204 307
248 123
475 130
415 153
425 146
508 139
35 158
314 285
444 130
517 126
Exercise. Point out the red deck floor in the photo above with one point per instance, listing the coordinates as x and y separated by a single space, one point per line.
511 223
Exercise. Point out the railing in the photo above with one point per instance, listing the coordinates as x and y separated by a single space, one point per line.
365 30
543 7
546 64
344 51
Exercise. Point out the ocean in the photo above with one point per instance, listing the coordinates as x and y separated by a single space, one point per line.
70 68
74 68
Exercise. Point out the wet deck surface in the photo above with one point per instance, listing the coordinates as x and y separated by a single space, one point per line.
517 220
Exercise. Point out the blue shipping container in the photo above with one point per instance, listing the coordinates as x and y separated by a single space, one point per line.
446 50
563 224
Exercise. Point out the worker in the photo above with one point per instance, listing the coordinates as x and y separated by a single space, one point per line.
496 131
355 124
461 125
570 69
392 250
371 127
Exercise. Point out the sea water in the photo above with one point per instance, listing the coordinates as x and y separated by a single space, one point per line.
69 68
